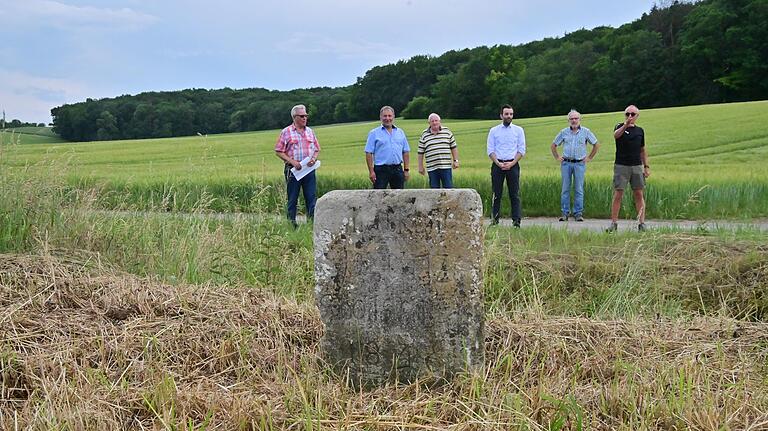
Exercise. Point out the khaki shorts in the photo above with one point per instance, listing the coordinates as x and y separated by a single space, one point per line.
628 174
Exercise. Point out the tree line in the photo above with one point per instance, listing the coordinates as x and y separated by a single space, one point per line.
15 123
680 54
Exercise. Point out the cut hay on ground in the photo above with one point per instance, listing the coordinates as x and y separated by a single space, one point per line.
84 348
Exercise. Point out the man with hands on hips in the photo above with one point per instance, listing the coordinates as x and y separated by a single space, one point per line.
573 163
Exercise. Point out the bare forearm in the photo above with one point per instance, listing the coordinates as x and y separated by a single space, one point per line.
553 148
284 157
595 149
644 157
618 132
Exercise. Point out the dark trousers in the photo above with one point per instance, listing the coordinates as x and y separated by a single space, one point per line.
391 175
513 186
444 176
308 185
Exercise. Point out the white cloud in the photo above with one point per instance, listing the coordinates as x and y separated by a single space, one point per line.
30 98
60 14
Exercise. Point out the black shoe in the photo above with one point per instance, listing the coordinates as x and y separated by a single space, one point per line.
641 227
516 223
614 227
579 218
564 217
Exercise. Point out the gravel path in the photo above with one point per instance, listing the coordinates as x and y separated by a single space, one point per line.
631 225
595 225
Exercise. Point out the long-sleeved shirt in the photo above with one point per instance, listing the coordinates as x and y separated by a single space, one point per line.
506 141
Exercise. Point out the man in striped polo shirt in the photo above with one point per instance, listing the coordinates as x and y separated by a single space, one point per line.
296 143
438 146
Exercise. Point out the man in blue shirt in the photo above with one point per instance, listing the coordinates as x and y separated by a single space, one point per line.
387 153
573 163
506 146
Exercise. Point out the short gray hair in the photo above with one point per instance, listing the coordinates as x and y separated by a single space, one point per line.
386 108
573 111
433 115
296 108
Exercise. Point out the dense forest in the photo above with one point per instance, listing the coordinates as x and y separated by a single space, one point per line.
680 54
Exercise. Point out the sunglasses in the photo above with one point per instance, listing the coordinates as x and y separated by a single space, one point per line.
630 114
302 116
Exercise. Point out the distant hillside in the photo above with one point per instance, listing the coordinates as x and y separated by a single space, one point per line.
30 135
711 51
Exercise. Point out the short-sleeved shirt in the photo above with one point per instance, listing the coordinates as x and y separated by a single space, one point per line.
575 144
506 141
436 148
628 146
297 145
387 148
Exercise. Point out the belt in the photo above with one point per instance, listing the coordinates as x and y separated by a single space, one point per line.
572 160
505 160
397 165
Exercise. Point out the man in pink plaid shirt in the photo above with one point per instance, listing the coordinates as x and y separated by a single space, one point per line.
295 143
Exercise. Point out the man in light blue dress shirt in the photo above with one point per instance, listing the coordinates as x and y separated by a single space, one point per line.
387 153
506 146
573 163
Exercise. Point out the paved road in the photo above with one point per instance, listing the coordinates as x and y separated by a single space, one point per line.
631 225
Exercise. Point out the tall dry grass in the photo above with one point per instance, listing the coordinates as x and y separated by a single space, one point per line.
85 347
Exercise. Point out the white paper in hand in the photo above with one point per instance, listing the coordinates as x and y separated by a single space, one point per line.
305 168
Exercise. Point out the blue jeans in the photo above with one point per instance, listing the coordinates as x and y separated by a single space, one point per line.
438 176
308 184
572 172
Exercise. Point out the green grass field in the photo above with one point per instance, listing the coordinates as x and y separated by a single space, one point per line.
29 135
159 320
707 162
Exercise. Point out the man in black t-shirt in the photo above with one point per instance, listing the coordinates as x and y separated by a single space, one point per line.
631 166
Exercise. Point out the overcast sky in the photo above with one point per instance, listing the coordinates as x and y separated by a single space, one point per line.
64 51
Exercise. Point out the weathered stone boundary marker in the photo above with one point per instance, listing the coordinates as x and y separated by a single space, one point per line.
399 283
